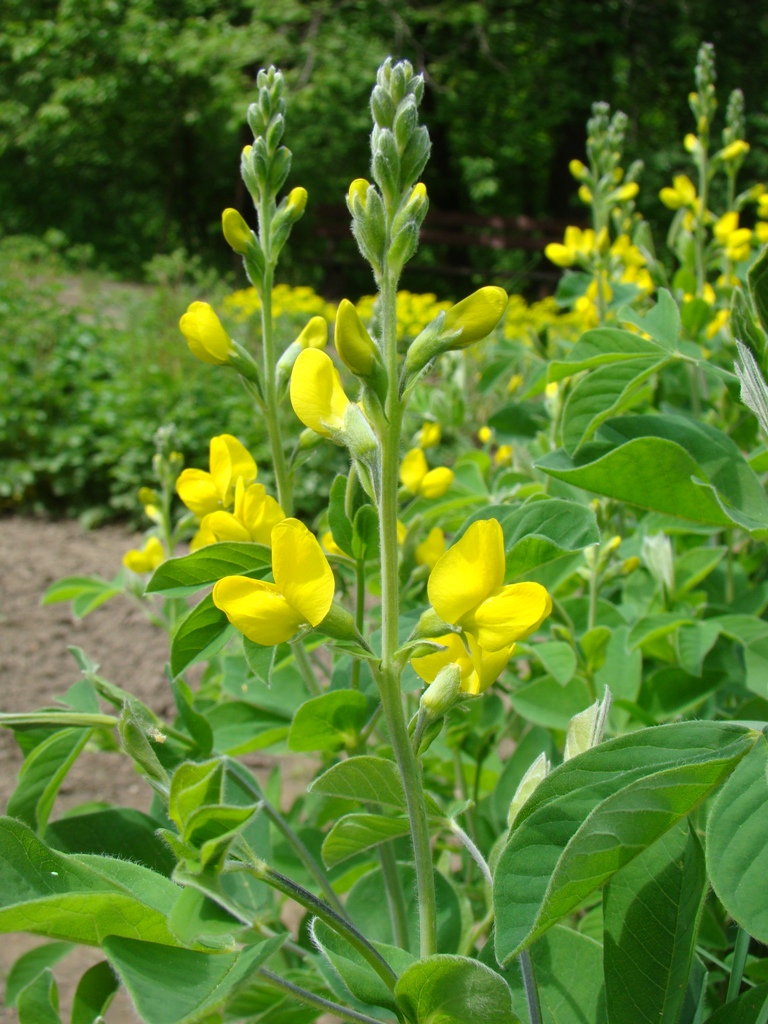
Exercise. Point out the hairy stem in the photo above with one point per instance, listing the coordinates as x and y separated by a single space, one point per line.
326 1005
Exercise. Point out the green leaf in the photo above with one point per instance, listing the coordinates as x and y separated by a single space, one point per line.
365 533
199 635
42 774
180 576
196 724
569 976
672 691
175 986
536 741
750 1008
517 419
86 593
558 658
662 321
329 722
31 964
356 973
693 566
38 1003
112 832
546 702
338 520
597 812
197 918
367 906
603 346
78 898
240 727
261 660
454 990
603 392
367 779
654 627
668 464
357 832
737 854
695 642
94 993
757 278
651 910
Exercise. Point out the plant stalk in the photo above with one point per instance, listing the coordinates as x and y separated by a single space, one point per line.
326 1005
531 989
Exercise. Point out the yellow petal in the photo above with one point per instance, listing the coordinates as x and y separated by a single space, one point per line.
223 526
413 469
469 572
301 570
230 460
487 665
207 339
198 491
236 231
257 609
428 666
353 343
431 548
315 334
260 514
559 254
477 315
317 395
429 435
513 613
436 482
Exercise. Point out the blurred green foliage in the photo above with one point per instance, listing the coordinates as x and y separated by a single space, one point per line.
121 120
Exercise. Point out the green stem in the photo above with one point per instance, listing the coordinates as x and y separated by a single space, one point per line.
342 1012
354 681
388 677
283 476
700 232
737 964
304 666
339 924
531 989
395 899
473 851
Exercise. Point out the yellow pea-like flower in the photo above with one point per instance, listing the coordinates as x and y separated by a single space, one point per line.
429 435
736 149
484 435
422 481
479 668
578 169
204 492
330 544
302 594
147 558
431 548
477 315
627 192
359 188
317 394
253 518
315 334
503 456
236 231
353 342
207 339
466 588
297 201
726 225
682 193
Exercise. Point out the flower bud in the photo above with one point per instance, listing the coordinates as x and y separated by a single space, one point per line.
736 149
477 315
586 729
236 231
441 694
297 201
207 339
535 774
353 343
627 192
578 170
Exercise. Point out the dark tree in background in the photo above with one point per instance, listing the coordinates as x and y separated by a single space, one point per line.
121 121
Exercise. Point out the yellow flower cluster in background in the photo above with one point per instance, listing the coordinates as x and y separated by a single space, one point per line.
299 302
524 322
414 311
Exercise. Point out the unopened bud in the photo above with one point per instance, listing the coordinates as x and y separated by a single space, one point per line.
586 729
528 784
442 693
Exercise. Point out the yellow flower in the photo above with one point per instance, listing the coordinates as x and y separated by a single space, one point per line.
577 245
466 588
353 343
317 394
484 435
229 461
147 558
476 316
302 594
236 231
402 532
736 149
726 225
585 194
716 324
420 479
682 193
479 668
330 544
690 142
253 518
514 383
627 192
577 169
761 231
297 201
207 339
503 455
315 334
359 188
431 548
429 435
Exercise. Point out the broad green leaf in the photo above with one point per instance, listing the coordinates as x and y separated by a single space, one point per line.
78 898
672 691
694 643
197 725
175 986
368 908
42 774
194 785
518 419
737 854
750 1008
668 464
654 627
365 533
558 658
454 990
367 779
261 660
94 993
621 671
569 976
31 964
693 566
757 278
85 592
356 973
597 812
338 520
180 576
329 722
546 702
756 664
197 918
602 393
356 832
651 910
662 321
603 346
240 727
536 741
112 832
38 1003
199 635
